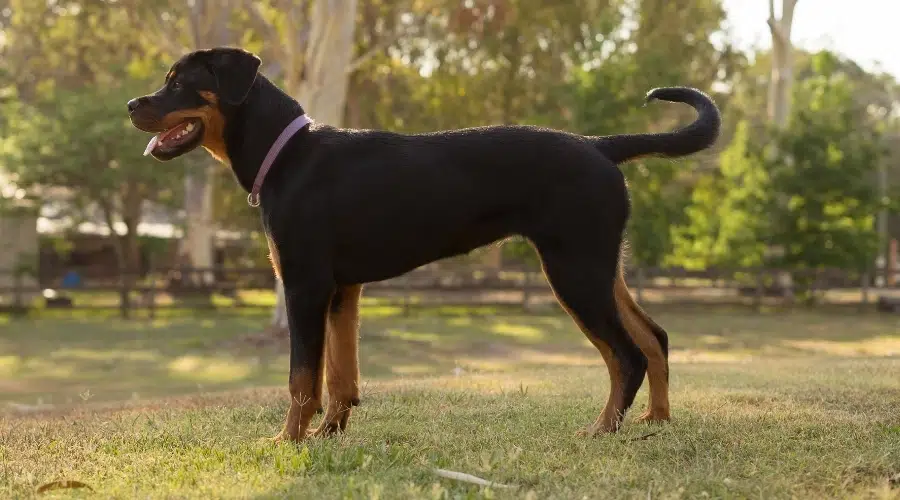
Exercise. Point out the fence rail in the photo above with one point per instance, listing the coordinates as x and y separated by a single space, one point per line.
434 285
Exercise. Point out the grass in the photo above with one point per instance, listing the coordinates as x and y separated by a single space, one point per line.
791 405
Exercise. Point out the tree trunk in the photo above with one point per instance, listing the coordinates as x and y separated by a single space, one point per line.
199 222
320 83
782 73
781 82
208 23
125 246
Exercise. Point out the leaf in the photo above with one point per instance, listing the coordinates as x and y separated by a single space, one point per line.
468 478
62 485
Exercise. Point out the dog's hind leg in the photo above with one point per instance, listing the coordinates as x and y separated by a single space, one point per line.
582 277
341 359
653 341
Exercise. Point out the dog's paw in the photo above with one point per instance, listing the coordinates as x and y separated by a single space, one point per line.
284 437
583 433
325 430
653 417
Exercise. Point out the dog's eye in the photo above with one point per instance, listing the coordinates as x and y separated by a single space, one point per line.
176 85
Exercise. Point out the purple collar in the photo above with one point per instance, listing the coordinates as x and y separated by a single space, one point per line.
286 134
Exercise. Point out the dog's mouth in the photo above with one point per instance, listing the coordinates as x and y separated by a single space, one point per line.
176 141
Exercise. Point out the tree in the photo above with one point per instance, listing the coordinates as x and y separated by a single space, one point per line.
722 224
824 197
74 146
782 74
781 82
65 135
808 188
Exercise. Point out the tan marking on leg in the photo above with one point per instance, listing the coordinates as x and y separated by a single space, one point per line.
306 399
342 361
657 366
611 418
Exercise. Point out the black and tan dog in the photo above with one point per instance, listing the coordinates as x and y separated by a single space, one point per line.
345 207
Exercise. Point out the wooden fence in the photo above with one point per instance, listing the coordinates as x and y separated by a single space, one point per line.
442 286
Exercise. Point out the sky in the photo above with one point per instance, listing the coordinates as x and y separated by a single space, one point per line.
867 31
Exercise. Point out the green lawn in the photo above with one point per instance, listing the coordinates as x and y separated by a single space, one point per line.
765 406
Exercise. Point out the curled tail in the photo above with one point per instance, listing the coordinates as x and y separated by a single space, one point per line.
697 136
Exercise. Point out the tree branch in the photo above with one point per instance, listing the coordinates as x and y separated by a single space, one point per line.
772 22
260 24
372 52
775 29
375 49
194 16
275 50
163 33
787 18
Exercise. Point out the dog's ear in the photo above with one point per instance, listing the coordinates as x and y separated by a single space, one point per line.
235 71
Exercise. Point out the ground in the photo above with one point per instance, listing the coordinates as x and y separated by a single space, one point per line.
777 405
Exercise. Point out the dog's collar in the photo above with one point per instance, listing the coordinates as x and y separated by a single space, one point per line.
286 134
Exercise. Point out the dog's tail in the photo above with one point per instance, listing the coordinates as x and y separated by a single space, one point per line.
695 137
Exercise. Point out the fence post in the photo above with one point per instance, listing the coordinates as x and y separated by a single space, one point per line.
814 287
406 299
526 291
124 295
18 301
890 264
151 295
760 276
864 285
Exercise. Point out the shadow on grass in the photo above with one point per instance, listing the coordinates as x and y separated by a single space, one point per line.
66 362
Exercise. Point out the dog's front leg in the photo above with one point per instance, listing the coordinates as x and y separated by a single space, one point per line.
307 308
341 359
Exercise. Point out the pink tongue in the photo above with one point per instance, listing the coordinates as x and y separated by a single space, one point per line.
152 144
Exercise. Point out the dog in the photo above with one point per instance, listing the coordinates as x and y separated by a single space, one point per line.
343 207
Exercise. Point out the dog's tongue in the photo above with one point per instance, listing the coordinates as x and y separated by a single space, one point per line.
152 144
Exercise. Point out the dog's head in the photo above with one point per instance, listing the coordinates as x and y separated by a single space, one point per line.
191 107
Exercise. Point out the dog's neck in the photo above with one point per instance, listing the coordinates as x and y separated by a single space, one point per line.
254 125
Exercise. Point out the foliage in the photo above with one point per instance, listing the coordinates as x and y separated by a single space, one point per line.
823 200
808 192
75 147
422 65
726 209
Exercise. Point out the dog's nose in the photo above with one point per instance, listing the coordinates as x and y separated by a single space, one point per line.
134 103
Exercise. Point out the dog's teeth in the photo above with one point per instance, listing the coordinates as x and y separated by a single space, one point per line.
190 127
